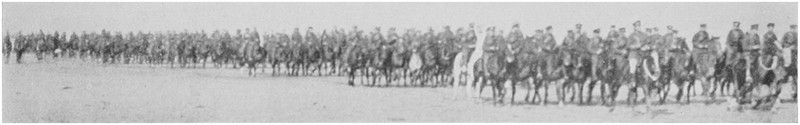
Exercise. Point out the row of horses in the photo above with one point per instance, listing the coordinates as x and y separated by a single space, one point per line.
469 58
335 52
646 63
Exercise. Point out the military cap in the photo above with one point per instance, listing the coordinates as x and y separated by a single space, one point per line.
754 26
579 25
637 23
703 25
549 27
471 24
622 29
736 23
794 26
655 28
771 25
648 29
613 26
597 30
669 27
569 31
515 25
539 30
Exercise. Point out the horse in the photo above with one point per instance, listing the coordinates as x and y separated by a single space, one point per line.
521 61
415 65
650 74
550 71
7 46
355 60
21 44
394 61
705 56
492 69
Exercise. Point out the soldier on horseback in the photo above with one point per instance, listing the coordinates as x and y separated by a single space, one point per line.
789 45
595 47
635 56
749 70
768 70
618 67
7 46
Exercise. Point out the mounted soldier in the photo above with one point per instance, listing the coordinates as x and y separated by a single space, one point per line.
21 44
313 52
636 41
612 32
789 45
750 51
594 48
613 58
8 46
296 52
735 57
768 70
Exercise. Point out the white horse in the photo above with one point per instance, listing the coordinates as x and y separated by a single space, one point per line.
469 68
459 67
414 65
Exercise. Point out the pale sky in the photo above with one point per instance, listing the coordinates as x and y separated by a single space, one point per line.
283 17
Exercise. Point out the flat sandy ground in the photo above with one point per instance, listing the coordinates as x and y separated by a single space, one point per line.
74 91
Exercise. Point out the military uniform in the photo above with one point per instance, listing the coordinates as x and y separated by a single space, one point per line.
769 51
700 37
790 42
735 38
551 53
703 51
594 48
634 43
612 33
751 47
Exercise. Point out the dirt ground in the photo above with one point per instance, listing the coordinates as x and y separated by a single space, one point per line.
70 90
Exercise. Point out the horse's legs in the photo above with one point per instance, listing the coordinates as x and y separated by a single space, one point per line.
680 90
513 89
574 89
705 86
319 68
546 85
19 55
529 88
351 76
631 95
483 83
665 93
591 88
365 77
561 91
602 93
375 76
388 76
689 90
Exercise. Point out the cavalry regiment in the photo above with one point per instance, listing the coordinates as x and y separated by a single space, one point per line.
751 68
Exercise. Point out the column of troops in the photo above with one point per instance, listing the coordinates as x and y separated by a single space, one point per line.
645 61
